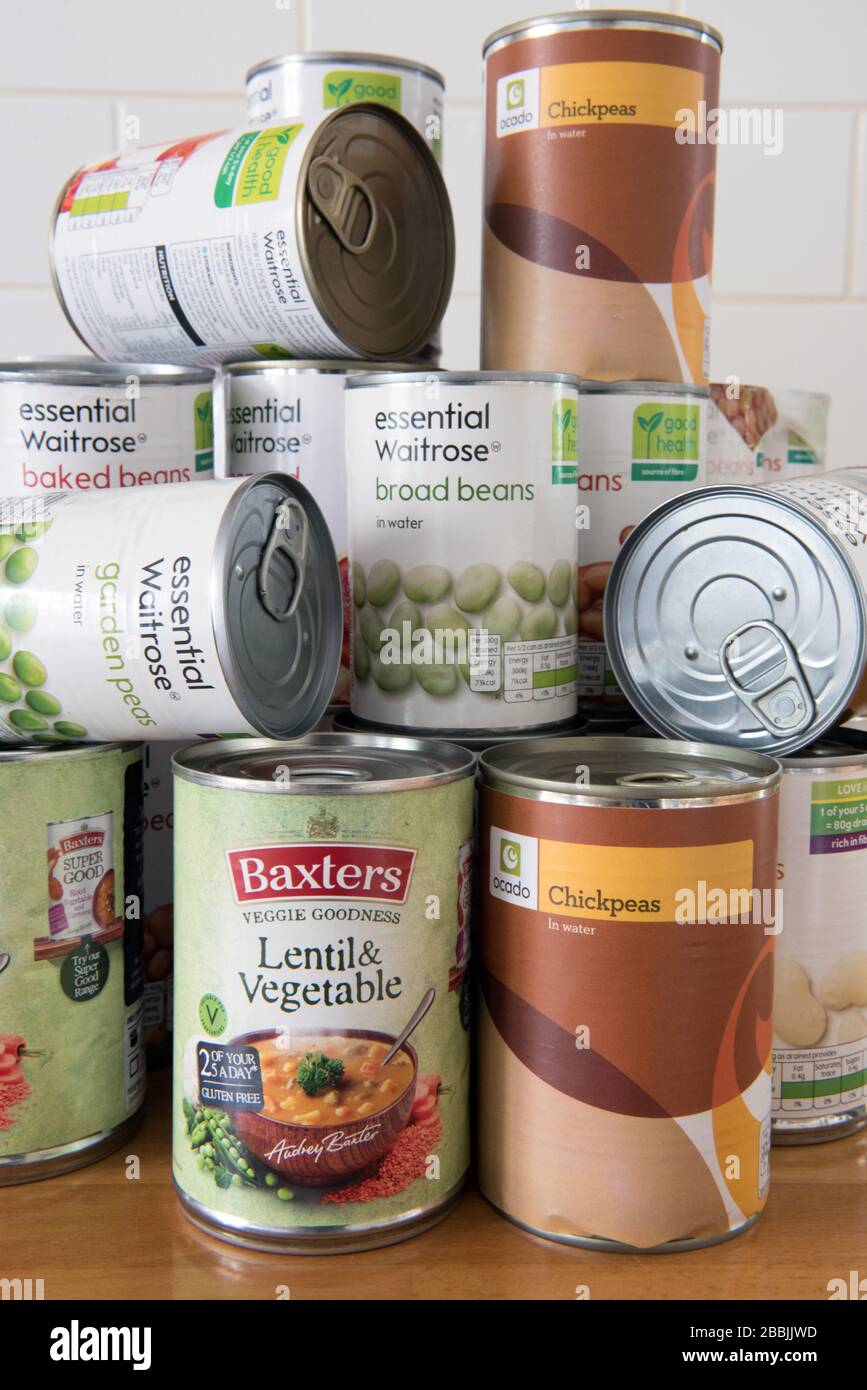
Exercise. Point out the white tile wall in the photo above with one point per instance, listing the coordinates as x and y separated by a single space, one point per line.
791 247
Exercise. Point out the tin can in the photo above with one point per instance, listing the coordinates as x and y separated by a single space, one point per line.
314 84
639 444
328 239
627 927
205 608
322 901
462 496
72 1071
738 614
75 424
158 918
589 266
795 445
820 988
739 418
346 722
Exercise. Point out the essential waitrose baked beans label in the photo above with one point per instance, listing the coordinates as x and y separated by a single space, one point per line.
309 930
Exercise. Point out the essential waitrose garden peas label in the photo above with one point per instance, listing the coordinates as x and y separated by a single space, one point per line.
309 928
462 502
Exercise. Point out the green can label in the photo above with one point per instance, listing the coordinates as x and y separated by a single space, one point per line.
342 87
667 442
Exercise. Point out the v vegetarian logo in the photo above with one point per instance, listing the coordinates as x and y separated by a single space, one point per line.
267 873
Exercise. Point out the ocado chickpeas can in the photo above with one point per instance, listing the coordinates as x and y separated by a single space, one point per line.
203 608
820 990
303 238
628 919
462 523
639 444
72 1069
321 1002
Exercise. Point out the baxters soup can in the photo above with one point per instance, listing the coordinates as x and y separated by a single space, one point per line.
321 1002
295 239
205 608
599 195
72 1067
628 919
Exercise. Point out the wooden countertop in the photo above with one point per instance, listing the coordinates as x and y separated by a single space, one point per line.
97 1234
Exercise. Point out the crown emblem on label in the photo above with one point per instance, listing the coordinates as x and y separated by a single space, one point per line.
322 827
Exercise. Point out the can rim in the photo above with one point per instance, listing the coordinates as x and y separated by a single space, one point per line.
541 26
190 764
350 723
468 378
72 371
326 55
848 757
591 387
295 366
37 752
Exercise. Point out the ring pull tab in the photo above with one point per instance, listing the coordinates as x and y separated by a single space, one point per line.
771 684
289 538
339 196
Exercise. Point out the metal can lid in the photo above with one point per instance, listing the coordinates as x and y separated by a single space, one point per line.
731 614
375 231
277 606
469 378
339 59
325 764
591 387
329 366
81 370
627 771
60 748
832 753
543 25
344 720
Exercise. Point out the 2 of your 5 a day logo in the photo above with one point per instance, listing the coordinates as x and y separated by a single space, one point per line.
564 442
666 441
518 102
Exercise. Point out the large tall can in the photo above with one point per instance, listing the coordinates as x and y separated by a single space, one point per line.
599 195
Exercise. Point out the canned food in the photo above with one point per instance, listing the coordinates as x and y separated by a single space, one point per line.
795 444
321 1007
739 418
639 444
313 84
72 1072
329 239
462 497
588 265
346 722
738 614
626 938
820 987
74 424
205 608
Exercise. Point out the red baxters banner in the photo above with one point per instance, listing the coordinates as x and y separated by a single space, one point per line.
305 870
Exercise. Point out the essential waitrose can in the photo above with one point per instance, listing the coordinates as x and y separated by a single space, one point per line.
820 990
627 927
462 538
321 1006
739 418
639 444
201 609
75 424
72 1068
295 239
739 614
314 84
600 173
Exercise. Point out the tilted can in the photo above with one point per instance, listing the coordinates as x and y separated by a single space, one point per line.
820 988
322 910
739 614
75 424
72 1068
167 613
639 444
739 418
627 925
599 194
462 540
295 239
313 84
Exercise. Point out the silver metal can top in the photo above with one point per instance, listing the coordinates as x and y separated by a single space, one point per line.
832 754
732 615
345 721
80 370
468 378
325 764
57 748
627 772
543 25
591 387
295 366
337 58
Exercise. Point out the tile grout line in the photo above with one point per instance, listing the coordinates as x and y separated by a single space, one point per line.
857 199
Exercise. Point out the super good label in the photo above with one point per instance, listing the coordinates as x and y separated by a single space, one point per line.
71 1054
635 453
463 544
58 438
625 1028
153 291
105 617
820 995
334 917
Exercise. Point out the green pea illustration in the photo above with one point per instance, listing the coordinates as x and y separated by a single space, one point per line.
538 623
405 612
477 587
527 580
370 626
382 582
68 730
359 585
437 680
360 657
21 564
42 702
5 643
427 583
502 618
10 690
33 530
26 720
7 545
570 619
20 612
559 582
29 669
391 676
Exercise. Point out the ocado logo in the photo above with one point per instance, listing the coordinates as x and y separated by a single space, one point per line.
515 94
510 857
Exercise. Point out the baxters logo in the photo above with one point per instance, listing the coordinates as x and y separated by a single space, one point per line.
86 839
378 872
